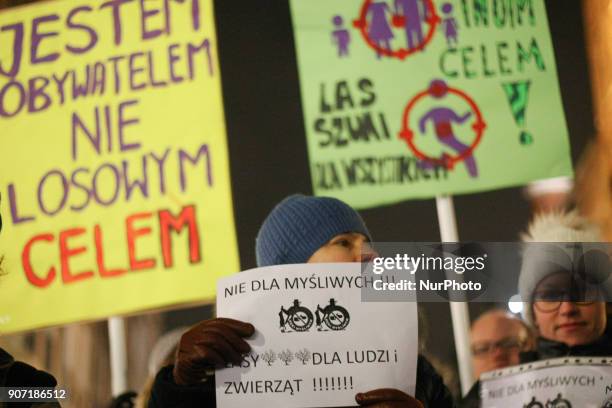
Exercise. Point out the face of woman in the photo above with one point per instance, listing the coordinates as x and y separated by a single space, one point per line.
573 320
349 247
572 323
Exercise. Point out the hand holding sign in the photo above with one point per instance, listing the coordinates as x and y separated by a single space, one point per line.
316 344
210 343
387 398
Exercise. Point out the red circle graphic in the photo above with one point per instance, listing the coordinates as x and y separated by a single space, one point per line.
361 23
408 135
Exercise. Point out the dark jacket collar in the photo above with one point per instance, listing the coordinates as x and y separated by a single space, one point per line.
547 348
17 373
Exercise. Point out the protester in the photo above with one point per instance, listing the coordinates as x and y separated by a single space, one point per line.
568 315
497 339
14 374
300 229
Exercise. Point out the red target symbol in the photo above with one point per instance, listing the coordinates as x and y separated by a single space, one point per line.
399 21
439 89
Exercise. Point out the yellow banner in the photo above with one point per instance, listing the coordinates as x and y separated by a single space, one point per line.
114 171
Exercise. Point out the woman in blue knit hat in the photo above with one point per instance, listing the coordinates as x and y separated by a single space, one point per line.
300 229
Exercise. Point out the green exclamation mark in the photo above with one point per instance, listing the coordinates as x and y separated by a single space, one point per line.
517 93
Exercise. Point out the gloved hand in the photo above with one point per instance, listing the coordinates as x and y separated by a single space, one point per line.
211 343
387 398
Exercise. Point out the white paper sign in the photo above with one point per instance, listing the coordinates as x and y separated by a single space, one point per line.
584 382
316 342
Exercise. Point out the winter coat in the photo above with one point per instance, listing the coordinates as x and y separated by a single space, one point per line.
17 374
430 390
547 349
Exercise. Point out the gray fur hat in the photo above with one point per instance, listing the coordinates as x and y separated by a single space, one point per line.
563 228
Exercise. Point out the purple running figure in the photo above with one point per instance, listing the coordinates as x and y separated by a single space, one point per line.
442 118
449 25
414 13
340 36
379 29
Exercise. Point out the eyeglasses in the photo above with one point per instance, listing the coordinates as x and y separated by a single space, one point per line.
505 344
548 301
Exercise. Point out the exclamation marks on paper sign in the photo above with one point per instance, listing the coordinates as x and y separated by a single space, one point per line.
332 383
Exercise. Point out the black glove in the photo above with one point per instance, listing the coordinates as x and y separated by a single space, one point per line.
211 343
387 398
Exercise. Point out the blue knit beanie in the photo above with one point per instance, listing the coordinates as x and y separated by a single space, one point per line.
299 225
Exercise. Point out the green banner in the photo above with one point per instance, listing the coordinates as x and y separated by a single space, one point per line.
409 99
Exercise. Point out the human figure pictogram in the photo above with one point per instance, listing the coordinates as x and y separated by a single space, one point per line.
443 118
449 25
340 36
413 13
379 30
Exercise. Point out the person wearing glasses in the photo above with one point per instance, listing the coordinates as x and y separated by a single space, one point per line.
497 339
565 288
300 229
564 291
